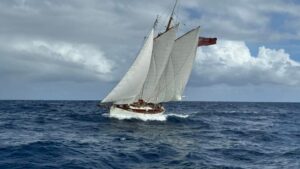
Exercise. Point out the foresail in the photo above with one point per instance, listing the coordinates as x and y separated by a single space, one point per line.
162 48
176 74
131 84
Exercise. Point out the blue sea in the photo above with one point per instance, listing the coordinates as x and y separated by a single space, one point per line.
80 135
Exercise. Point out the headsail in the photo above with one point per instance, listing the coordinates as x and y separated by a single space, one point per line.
131 84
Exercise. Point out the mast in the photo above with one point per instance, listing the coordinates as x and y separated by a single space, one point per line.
171 17
156 22
142 90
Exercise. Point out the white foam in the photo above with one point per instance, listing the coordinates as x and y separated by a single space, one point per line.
178 115
162 117
105 114
125 115
143 117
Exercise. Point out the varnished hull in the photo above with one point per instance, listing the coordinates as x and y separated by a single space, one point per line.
120 113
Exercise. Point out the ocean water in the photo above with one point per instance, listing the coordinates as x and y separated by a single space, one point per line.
80 135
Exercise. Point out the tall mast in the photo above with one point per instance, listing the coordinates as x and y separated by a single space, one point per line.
171 17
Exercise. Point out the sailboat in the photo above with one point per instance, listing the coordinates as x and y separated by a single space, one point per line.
159 73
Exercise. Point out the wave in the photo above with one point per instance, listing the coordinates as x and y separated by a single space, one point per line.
184 116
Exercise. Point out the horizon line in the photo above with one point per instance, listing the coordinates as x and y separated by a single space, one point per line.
94 100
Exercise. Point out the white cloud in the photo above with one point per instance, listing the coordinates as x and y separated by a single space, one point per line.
85 55
230 62
46 59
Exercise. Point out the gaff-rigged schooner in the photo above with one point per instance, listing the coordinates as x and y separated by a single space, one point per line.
159 73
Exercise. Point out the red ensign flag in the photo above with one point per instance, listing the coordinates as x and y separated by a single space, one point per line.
206 41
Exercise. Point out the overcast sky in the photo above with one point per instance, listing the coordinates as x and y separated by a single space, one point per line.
79 49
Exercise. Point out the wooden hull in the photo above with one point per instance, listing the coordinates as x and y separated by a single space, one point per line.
119 113
146 109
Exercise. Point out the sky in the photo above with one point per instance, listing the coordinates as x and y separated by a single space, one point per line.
79 49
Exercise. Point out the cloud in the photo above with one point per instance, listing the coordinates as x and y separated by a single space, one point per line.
55 61
231 63
253 20
85 55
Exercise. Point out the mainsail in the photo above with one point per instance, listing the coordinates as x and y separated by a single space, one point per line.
183 57
131 84
176 74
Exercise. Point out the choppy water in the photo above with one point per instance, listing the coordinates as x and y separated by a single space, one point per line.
67 134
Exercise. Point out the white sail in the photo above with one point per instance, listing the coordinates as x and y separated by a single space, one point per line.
183 57
176 74
162 48
131 84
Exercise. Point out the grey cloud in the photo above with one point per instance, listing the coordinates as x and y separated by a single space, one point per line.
47 62
251 20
